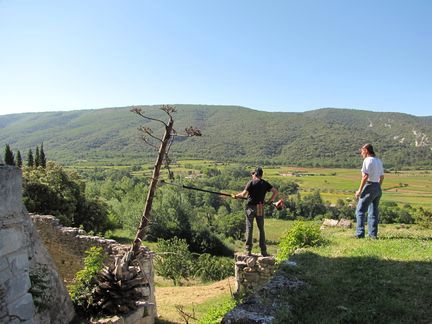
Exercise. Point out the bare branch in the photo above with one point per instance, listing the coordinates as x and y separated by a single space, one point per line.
146 130
168 109
145 139
149 132
140 112
185 315
193 131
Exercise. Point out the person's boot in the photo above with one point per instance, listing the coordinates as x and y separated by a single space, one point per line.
264 254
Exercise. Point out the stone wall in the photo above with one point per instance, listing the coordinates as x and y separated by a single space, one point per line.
263 303
252 272
67 246
31 290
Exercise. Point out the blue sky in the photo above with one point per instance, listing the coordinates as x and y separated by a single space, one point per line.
266 55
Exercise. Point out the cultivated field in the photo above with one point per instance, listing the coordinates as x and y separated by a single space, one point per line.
402 187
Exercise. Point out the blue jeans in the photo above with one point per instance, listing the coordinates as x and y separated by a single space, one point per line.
368 202
251 213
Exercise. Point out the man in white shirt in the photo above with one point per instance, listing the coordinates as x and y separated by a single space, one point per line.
369 193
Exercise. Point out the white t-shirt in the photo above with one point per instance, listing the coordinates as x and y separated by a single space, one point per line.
373 167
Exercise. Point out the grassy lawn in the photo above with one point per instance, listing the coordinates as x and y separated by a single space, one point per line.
388 280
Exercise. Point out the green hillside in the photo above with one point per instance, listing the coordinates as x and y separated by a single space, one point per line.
324 137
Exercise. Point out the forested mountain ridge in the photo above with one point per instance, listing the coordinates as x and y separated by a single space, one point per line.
323 137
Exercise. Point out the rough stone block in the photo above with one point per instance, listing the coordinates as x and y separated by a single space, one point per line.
267 260
345 223
18 261
10 190
22 308
17 286
3 264
11 240
251 277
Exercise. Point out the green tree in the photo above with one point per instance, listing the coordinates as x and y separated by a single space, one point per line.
312 205
9 156
54 191
174 261
42 157
19 159
37 157
30 159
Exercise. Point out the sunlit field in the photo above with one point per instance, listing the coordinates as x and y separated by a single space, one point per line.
402 187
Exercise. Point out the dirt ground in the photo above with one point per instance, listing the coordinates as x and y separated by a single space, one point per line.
168 297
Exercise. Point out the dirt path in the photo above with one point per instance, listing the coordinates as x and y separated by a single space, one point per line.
168 297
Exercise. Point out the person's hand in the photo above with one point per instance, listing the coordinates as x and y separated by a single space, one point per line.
357 194
234 196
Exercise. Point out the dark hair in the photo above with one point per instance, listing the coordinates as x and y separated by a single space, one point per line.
258 172
369 148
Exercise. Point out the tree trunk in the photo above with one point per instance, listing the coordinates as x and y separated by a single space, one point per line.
154 180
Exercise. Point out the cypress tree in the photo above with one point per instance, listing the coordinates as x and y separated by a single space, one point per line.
42 157
37 157
9 156
30 159
19 159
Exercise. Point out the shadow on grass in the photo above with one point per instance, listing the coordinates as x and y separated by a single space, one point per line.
408 237
358 290
122 239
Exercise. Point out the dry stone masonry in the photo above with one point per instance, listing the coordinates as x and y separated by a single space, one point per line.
263 287
67 245
252 272
31 290
35 259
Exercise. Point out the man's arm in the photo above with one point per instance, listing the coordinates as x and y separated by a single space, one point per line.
243 194
381 180
362 184
274 192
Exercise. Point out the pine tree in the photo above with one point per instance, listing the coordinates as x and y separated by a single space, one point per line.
9 156
37 157
19 159
42 158
30 159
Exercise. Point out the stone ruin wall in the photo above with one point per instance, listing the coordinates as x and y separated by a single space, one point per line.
31 290
252 272
36 256
67 246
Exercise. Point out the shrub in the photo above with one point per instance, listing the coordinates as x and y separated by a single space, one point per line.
211 268
301 234
174 260
81 291
217 312
424 218
232 225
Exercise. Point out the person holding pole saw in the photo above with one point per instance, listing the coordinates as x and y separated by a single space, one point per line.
255 192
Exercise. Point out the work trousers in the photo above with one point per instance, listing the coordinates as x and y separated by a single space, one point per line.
251 213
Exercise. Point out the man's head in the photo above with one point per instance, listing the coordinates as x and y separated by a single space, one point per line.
258 172
367 150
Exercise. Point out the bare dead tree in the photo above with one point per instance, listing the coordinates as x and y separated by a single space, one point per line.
163 158
120 283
